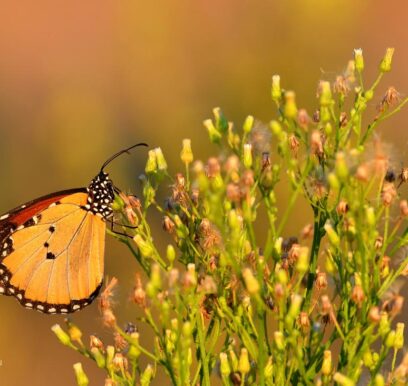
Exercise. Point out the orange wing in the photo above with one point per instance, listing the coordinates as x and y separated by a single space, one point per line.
53 261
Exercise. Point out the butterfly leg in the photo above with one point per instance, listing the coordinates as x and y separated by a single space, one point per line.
112 223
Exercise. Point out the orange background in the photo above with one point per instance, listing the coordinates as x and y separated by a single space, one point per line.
81 79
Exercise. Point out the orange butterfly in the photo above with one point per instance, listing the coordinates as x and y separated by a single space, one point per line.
52 248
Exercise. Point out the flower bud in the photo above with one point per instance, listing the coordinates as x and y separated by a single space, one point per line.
276 128
325 94
62 336
390 339
233 359
290 109
247 158
282 277
214 134
74 332
333 181
384 327
151 163
276 91
170 253
186 154
358 59
294 309
268 370
332 235
341 167
370 216
302 264
248 124
81 378
243 364
98 356
379 380
368 359
161 161
251 282
385 65
110 353
155 278
144 247
399 336
279 340
220 122
327 363
146 376
343 380
224 365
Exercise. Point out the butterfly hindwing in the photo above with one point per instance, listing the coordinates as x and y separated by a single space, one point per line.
52 252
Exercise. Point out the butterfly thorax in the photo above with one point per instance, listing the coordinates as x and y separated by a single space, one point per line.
100 195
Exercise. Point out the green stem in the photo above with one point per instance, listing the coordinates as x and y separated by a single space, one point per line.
203 354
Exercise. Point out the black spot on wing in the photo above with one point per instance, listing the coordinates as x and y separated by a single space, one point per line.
50 256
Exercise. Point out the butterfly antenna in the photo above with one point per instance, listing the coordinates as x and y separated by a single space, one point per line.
110 159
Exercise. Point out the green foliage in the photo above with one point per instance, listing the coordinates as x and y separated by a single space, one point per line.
221 305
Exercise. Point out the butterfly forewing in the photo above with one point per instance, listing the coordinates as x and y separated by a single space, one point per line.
52 252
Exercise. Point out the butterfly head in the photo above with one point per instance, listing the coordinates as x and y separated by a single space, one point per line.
101 195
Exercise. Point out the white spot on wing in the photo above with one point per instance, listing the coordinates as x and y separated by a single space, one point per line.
4 216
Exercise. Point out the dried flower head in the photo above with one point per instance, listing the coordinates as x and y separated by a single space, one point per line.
307 232
213 167
293 254
209 236
321 281
388 193
168 224
342 207
404 208
403 176
139 294
357 295
343 119
391 98
341 85
374 314
120 342
105 299
95 342
363 172
304 321
294 145
207 285
120 362
303 119
326 305
260 138
378 243
316 143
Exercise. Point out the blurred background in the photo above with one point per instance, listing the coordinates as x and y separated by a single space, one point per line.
81 80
